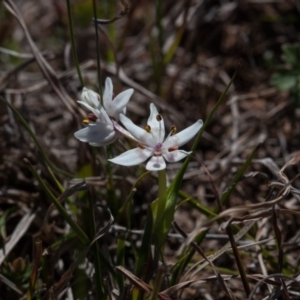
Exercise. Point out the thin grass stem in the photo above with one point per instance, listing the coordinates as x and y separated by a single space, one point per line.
73 43
99 72
95 249
79 232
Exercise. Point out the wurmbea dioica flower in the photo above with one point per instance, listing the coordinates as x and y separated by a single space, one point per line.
152 142
102 123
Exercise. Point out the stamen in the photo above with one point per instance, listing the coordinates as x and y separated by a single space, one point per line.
158 117
148 128
141 146
86 121
173 129
173 148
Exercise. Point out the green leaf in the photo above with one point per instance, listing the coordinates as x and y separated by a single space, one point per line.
121 259
146 245
285 80
291 54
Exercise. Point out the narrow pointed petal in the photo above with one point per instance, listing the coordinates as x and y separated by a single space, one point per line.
118 104
176 155
139 133
157 127
99 133
104 118
156 163
132 157
108 93
183 136
152 118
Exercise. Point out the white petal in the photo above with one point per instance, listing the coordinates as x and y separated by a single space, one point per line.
99 133
157 127
95 111
156 163
104 118
108 94
139 133
123 131
132 157
90 97
119 103
152 118
105 143
100 112
176 155
183 136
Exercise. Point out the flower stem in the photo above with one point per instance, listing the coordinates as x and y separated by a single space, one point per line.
162 188
158 208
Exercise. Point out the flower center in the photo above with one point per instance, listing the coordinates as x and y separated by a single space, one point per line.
157 149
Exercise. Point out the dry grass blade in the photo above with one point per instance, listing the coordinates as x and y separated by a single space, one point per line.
7 76
10 284
19 231
278 292
122 14
106 228
57 287
137 282
67 193
278 239
200 251
46 69
35 268
43 83
202 264
182 285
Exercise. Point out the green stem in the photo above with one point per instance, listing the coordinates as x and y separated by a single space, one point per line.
158 209
110 188
73 43
162 188
98 51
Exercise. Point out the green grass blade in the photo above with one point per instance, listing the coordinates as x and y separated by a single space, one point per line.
121 260
145 247
79 232
73 43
